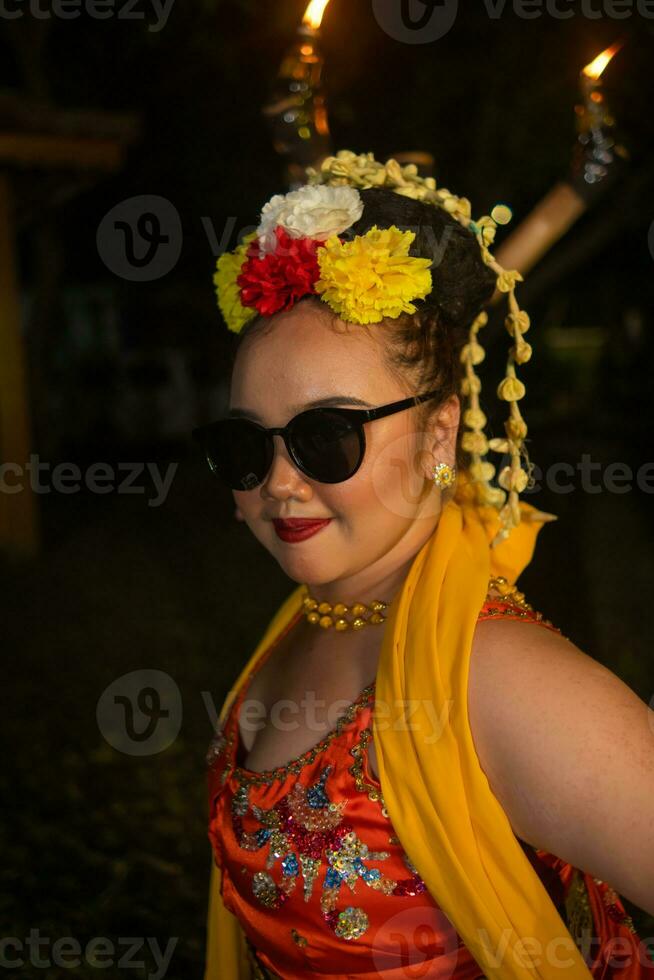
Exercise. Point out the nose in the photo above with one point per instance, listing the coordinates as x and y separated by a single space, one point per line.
284 479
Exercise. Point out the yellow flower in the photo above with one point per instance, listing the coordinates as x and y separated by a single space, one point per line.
521 351
373 276
518 321
516 429
449 202
482 471
511 390
513 478
362 171
474 350
507 279
474 418
474 442
228 267
487 227
394 172
499 445
470 385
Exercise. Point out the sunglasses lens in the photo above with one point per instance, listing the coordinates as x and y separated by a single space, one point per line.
328 446
238 452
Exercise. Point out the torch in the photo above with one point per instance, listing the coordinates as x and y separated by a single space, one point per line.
297 109
595 165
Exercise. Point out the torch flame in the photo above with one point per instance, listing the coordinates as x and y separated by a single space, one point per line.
313 14
598 64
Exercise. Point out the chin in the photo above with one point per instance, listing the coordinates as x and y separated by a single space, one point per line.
305 564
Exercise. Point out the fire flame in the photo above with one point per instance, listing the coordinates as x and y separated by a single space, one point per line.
313 13
598 64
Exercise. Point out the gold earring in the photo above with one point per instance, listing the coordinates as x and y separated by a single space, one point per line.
444 475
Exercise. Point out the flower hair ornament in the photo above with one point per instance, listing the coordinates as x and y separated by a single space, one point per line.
296 251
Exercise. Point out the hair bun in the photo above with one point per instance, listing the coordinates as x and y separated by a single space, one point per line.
462 282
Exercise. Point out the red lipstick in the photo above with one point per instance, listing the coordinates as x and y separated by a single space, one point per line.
299 528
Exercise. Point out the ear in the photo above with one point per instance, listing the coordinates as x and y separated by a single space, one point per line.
441 432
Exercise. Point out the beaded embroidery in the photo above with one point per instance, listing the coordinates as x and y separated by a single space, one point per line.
248 776
511 597
358 751
579 917
304 830
614 908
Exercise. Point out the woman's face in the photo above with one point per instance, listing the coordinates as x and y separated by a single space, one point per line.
389 507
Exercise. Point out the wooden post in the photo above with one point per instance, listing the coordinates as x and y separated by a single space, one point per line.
540 230
18 512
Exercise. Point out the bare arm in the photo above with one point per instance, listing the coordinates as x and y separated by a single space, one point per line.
568 749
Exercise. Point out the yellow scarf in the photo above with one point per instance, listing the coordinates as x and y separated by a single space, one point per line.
438 798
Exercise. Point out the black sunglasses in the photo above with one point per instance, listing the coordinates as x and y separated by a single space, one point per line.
326 444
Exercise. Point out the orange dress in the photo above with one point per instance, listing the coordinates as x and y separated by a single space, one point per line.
321 885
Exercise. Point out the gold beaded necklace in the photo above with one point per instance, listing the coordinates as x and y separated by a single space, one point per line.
326 615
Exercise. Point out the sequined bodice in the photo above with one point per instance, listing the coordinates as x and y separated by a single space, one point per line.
312 867
313 870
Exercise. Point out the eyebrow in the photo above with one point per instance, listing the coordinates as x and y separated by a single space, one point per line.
331 402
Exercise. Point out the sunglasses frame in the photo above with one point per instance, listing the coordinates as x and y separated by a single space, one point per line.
358 416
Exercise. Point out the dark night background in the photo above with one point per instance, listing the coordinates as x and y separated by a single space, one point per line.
101 843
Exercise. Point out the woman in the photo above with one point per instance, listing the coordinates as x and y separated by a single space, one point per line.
378 805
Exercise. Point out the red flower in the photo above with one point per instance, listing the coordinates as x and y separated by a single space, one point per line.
280 278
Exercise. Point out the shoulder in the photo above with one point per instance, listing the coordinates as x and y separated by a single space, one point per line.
565 743
514 642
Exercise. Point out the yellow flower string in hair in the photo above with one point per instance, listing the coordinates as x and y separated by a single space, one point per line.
373 276
474 441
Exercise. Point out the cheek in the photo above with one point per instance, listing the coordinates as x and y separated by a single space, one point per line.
248 503
389 486
395 472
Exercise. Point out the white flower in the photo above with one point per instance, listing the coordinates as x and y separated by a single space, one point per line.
312 211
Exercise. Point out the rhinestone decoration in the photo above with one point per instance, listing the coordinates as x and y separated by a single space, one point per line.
358 751
444 475
306 834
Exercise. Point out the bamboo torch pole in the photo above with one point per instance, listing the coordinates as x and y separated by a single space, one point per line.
594 167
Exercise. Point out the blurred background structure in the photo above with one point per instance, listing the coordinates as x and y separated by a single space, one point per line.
113 364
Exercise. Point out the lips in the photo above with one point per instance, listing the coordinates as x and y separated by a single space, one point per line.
292 522
299 528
